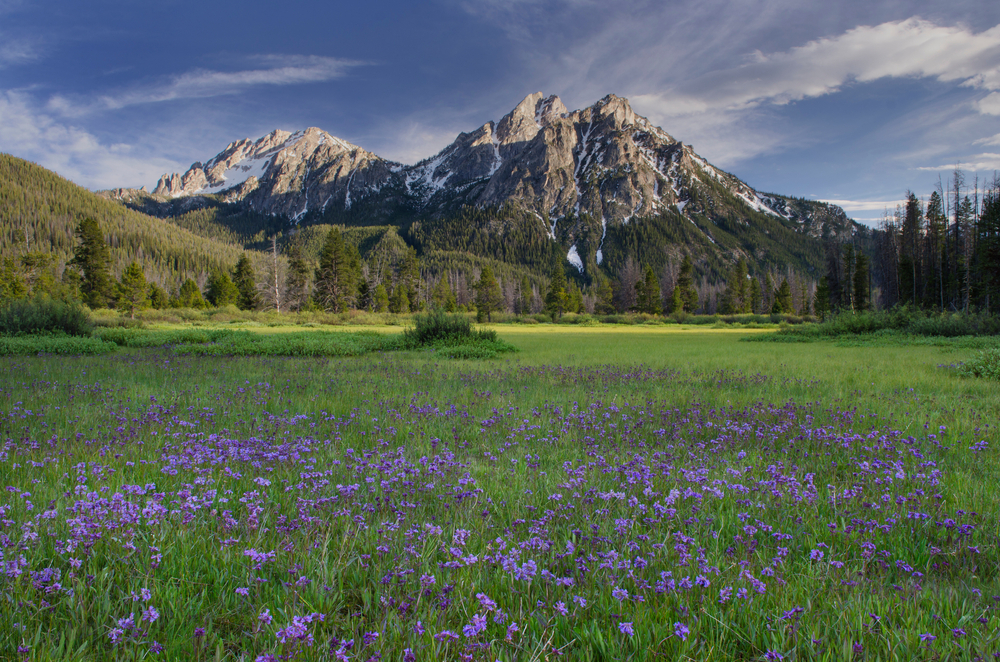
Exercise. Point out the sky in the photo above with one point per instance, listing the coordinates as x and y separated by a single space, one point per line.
850 102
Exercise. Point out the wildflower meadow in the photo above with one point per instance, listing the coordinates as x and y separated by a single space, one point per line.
598 495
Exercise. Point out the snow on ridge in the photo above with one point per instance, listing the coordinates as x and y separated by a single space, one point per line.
604 232
574 258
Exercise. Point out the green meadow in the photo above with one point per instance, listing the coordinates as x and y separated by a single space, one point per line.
602 493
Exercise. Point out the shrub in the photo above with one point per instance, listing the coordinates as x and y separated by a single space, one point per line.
985 364
436 326
42 314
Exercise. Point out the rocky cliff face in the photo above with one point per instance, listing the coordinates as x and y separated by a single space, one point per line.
285 173
604 163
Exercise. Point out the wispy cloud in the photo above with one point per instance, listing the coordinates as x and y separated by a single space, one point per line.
985 162
910 48
32 133
17 50
205 83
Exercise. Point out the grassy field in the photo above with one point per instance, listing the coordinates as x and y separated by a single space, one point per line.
604 493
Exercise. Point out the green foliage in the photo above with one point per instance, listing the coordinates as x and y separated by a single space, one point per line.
438 326
338 274
306 343
189 295
93 258
33 345
902 320
221 290
246 283
40 212
555 300
783 299
42 314
985 364
488 295
648 293
133 291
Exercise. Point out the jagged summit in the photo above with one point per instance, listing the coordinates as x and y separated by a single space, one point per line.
572 173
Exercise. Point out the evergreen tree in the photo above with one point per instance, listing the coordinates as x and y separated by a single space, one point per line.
94 260
297 281
409 276
861 282
246 282
400 302
189 295
648 293
442 294
12 285
337 274
605 304
133 290
365 298
221 289
755 296
555 300
783 299
158 298
524 297
988 245
488 295
381 299
937 234
685 283
676 301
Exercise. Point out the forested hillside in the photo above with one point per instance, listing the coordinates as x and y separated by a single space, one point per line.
39 212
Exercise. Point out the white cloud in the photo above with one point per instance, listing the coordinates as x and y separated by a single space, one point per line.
992 140
985 162
74 153
866 205
910 48
14 50
990 104
203 83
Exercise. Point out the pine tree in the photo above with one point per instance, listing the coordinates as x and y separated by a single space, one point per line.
524 297
409 276
648 293
381 299
988 245
158 298
488 296
685 283
861 282
246 282
755 297
783 299
94 260
337 275
133 290
555 300
400 302
189 296
297 281
221 289
442 293
605 304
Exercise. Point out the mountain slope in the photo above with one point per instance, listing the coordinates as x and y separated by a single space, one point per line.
595 186
39 211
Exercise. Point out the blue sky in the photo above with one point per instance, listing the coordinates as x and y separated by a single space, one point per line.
836 101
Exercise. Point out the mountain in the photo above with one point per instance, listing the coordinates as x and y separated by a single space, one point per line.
40 211
597 185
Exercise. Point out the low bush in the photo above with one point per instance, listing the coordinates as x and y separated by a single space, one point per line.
44 315
436 326
54 344
984 364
